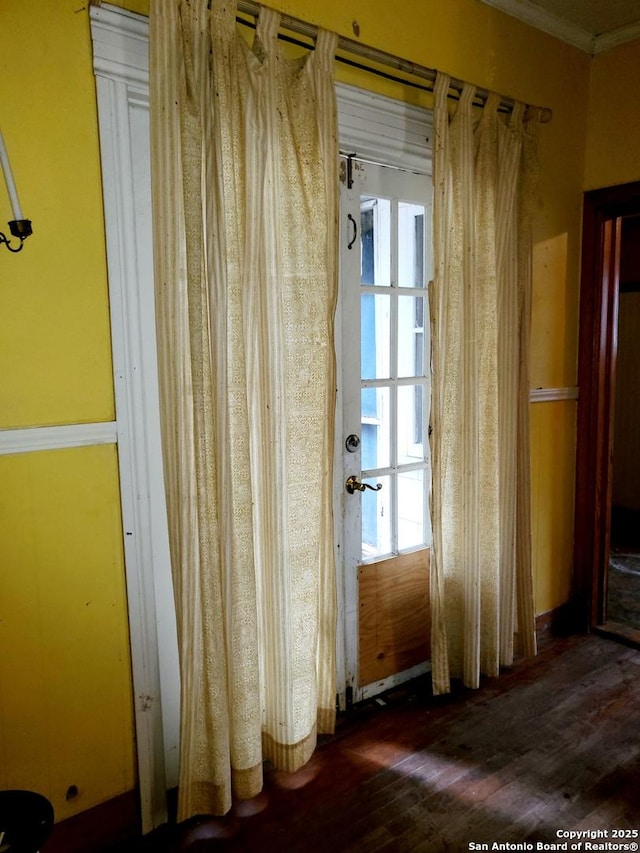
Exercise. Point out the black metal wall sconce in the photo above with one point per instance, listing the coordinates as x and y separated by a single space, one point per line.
20 228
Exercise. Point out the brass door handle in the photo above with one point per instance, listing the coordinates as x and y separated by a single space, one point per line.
354 485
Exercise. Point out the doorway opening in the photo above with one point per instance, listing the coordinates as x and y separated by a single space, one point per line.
385 268
623 569
607 533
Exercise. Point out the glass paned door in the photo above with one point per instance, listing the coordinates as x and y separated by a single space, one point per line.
385 273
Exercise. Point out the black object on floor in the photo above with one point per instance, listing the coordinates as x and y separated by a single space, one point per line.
26 821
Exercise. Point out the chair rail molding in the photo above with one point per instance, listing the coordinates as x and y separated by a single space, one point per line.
553 395
31 439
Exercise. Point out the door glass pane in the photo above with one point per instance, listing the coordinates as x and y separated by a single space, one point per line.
410 509
411 265
411 315
376 519
375 241
375 336
410 424
376 428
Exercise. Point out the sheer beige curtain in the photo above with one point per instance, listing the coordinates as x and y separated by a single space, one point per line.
244 159
481 587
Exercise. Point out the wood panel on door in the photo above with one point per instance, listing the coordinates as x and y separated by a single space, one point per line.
395 620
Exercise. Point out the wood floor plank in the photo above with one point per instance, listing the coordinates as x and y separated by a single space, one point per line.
553 744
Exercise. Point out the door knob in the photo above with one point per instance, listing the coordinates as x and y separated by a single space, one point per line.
354 485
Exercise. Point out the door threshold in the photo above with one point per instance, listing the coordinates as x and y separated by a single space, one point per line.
618 631
370 691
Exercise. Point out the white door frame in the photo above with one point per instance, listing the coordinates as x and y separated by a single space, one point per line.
120 51
376 128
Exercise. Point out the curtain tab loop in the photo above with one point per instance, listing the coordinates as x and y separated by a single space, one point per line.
267 29
441 85
223 15
466 97
326 44
517 114
492 104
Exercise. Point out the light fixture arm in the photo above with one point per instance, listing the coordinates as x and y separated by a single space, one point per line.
20 228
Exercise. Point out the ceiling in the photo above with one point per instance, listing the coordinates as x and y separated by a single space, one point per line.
592 25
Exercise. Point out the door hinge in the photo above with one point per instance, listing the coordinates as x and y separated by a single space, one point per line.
346 171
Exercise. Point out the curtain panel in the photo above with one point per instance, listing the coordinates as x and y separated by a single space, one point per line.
244 169
485 168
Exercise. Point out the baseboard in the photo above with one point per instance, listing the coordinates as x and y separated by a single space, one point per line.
99 828
559 622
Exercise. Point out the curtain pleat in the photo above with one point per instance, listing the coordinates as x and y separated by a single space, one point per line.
244 158
481 586
525 606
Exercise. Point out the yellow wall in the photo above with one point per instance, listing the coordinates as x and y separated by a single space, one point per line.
64 689
553 429
65 693
613 138
55 357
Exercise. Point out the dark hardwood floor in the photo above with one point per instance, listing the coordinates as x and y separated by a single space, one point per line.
553 745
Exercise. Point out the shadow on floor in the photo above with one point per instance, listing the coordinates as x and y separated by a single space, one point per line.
551 745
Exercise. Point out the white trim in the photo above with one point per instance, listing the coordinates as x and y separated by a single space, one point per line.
383 130
346 515
30 439
552 395
546 21
376 687
613 38
120 43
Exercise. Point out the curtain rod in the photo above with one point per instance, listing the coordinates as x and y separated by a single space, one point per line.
381 57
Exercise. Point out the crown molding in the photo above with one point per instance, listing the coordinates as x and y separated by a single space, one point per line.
572 34
616 37
546 21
